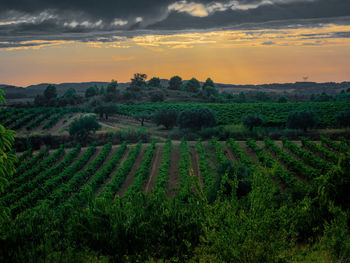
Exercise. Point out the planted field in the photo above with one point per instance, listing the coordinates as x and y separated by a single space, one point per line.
37 118
77 176
274 113
103 194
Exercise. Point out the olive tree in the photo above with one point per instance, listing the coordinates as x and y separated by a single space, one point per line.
83 127
304 120
142 116
166 117
175 83
196 118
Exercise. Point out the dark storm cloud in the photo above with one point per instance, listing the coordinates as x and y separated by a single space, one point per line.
92 20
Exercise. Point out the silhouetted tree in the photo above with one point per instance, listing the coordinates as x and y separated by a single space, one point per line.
166 117
138 81
50 92
209 91
192 85
197 118
112 88
302 120
154 82
175 83
71 97
208 83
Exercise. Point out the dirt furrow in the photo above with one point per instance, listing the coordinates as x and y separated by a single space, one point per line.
156 162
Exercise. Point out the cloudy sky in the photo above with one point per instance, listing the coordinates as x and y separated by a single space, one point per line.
239 41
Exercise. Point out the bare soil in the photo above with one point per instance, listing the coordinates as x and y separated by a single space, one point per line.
156 162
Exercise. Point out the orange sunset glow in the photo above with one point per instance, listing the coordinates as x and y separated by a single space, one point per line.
230 56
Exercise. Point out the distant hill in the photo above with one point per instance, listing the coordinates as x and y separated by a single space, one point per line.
298 88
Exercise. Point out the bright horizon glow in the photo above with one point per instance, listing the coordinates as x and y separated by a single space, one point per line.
231 57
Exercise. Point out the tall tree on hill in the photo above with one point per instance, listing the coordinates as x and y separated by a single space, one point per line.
112 87
208 83
192 85
50 92
175 83
154 82
138 81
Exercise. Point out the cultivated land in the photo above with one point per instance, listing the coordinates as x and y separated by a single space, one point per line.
134 191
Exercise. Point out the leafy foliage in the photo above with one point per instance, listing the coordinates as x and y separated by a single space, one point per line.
197 118
175 83
192 85
253 120
302 120
343 118
166 117
82 127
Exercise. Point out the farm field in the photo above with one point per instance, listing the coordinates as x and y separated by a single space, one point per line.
125 188
63 181
44 119
68 175
180 131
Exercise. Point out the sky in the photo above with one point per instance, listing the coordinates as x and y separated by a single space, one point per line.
236 42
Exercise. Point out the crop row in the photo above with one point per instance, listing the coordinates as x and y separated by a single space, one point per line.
18 184
85 193
239 153
52 184
114 186
204 167
336 146
307 156
28 165
24 156
143 172
79 178
163 171
47 174
314 147
297 189
295 165
38 121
